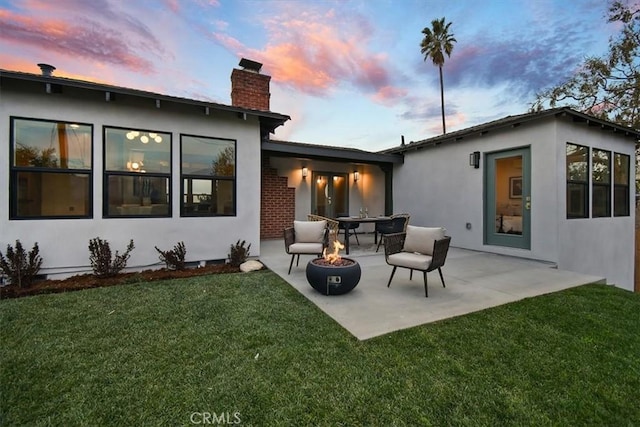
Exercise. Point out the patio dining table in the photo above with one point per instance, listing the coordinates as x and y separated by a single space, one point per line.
351 219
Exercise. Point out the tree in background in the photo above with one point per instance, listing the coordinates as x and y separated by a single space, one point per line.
607 87
436 43
224 165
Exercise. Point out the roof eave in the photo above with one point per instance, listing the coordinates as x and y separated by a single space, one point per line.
311 151
515 121
268 118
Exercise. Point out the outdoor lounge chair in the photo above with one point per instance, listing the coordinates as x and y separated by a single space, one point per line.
419 248
397 224
306 238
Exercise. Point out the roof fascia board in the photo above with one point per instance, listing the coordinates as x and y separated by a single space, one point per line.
334 154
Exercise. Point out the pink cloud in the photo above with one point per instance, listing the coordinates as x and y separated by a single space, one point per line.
316 52
174 5
453 121
389 95
213 3
220 25
229 42
8 62
80 38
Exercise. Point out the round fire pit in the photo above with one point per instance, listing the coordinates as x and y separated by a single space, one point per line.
333 279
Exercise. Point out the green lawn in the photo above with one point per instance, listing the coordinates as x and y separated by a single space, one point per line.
252 350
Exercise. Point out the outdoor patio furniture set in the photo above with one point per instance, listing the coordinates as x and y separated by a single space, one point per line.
415 248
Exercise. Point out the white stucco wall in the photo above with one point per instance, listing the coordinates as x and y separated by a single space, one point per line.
367 192
437 187
598 246
64 243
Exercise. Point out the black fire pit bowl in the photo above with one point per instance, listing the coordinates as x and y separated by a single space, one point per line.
333 280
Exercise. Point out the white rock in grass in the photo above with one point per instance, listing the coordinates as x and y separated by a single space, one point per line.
251 265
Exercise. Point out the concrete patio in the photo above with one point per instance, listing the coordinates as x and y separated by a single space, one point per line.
474 281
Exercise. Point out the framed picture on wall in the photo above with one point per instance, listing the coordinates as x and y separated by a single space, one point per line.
515 187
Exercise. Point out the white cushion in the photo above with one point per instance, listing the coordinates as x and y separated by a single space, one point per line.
305 248
309 231
421 239
410 260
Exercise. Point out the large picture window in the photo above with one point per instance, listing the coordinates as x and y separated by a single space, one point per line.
208 176
577 181
621 185
601 183
137 165
51 169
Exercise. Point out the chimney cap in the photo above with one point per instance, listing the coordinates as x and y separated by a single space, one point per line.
46 69
250 65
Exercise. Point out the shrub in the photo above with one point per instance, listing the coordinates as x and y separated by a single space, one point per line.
102 263
21 267
238 253
174 258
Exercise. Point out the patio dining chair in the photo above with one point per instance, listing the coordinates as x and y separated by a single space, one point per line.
419 248
348 227
306 238
396 224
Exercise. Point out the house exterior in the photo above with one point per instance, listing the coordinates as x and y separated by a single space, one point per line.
554 186
84 160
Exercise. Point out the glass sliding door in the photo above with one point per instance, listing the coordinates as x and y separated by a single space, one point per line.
330 194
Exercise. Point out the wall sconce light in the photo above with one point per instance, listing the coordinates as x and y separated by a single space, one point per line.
305 172
474 159
356 176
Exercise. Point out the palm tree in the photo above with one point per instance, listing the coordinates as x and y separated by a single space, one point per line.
436 42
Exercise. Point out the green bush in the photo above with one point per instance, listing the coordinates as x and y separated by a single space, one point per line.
21 267
238 253
102 262
173 258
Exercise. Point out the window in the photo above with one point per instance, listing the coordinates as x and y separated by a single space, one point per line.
621 186
51 169
208 176
137 167
601 183
577 181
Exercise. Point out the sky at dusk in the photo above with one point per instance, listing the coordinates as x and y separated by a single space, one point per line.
348 72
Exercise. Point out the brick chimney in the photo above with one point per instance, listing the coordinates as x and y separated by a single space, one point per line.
249 88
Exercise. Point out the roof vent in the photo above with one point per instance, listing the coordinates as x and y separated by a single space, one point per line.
249 65
47 70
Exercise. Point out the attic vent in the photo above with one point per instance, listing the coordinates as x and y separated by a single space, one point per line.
47 70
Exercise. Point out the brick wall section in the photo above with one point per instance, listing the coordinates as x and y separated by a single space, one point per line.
250 90
277 204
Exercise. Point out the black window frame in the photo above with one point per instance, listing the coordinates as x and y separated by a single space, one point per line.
627 186
106 173
581 184
14 171
601 187
211 177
